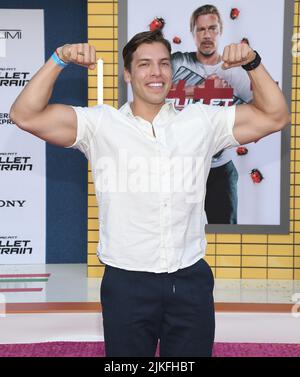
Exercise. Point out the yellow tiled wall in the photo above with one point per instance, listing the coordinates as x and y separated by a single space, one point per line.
230 256
103 34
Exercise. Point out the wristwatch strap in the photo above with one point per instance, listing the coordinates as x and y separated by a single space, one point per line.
254 64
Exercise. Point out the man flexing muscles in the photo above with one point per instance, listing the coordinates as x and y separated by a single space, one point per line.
156 284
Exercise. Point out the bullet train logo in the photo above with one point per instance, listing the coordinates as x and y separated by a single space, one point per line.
206 94
12 78
11 162
10 34
13 246
12 203
5 120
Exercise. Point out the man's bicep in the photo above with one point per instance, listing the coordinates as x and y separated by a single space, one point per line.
250 124
57 124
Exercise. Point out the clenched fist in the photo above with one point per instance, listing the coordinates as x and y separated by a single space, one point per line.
236 55
80 53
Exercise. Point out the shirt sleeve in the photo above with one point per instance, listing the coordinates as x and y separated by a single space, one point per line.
177 60
88 124
222 121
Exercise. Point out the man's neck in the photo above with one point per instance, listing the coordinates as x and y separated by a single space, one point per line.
208 60
145 111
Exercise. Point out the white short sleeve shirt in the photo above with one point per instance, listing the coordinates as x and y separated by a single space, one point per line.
150 181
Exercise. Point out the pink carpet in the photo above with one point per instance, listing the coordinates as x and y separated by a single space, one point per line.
91 349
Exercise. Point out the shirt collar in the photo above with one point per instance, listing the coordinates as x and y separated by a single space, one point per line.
167 107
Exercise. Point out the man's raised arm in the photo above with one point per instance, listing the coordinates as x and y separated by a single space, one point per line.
268 112
56 124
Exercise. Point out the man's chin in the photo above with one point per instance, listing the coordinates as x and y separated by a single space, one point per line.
158 99
157 102
207 53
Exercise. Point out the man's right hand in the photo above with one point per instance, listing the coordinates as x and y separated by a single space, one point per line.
80 53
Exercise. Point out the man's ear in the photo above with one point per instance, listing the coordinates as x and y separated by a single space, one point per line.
127 76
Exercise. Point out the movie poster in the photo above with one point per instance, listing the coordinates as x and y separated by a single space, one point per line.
252 173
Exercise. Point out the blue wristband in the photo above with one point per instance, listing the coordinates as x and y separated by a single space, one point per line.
58 61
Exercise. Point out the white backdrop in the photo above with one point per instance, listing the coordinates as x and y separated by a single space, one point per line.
22 156
262 22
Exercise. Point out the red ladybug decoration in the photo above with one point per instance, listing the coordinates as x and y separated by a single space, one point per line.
242 151
256 176
177 40
234 13
157 24
245 40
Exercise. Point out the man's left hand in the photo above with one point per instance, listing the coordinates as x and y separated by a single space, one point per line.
236 55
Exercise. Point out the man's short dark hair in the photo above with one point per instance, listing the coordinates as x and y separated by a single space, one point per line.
202 11
140 38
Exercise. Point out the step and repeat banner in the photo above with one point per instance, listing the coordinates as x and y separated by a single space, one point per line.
22 156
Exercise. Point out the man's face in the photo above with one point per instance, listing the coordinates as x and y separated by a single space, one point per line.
207 32
151 73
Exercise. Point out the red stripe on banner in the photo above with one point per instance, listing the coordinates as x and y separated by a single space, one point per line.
25 276
13 290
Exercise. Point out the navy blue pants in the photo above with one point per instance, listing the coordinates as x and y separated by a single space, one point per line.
140 308
221 201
